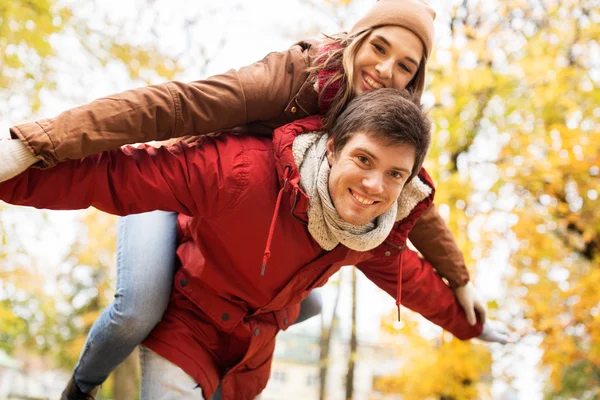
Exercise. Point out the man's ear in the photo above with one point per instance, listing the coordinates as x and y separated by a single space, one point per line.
330 150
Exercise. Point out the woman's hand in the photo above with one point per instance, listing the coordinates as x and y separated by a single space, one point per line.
470 301
14 158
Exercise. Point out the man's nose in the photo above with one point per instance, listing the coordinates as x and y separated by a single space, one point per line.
373 183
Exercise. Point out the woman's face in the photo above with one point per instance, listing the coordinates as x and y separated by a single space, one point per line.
389 57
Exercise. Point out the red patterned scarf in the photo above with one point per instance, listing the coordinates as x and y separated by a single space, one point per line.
327 94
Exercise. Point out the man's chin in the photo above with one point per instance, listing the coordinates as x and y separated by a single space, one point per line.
355 220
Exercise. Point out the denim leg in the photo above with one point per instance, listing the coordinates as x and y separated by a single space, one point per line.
163 380
146 245
310 306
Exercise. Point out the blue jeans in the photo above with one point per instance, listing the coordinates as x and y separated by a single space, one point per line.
146 245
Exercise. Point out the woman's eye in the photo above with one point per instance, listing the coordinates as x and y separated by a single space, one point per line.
396 175
379 48
363 159
404 67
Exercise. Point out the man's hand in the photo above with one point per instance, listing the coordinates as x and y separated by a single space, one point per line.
470 301
14 158
495 332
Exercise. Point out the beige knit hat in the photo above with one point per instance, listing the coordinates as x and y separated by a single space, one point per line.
414 15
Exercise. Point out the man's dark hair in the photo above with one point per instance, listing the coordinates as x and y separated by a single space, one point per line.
394 116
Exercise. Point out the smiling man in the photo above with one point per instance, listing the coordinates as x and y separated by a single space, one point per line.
262 223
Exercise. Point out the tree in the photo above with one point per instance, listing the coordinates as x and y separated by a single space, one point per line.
516 158
444 369
353 341
325 342
30 34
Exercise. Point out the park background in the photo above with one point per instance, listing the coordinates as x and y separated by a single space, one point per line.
512 89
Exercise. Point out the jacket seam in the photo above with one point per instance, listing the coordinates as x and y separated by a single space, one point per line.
177 108
49 138
19 135
242 183
237 76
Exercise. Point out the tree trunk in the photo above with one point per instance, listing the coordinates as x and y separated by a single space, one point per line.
353 343
325 345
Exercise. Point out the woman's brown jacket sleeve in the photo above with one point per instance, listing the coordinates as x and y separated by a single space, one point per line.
259 92
434 240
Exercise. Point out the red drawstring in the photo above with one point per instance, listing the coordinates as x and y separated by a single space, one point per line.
267 252
399 282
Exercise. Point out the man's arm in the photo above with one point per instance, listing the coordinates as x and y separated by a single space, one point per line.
131 180
423 291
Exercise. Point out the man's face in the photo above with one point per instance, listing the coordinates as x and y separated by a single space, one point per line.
367 176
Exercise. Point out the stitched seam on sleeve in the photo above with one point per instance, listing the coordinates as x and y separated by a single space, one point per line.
50 139
177 109
237 76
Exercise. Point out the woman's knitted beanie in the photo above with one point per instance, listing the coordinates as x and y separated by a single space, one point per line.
414 15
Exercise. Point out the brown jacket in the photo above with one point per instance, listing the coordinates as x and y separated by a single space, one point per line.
257 98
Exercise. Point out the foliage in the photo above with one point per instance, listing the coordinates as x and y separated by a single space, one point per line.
516 152
445 368
30 31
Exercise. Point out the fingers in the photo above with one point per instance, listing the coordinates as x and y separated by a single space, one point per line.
470 312
481 309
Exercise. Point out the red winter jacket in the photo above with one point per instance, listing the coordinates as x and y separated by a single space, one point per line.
239 199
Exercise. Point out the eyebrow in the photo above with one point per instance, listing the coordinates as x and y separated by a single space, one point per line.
387 42
374 157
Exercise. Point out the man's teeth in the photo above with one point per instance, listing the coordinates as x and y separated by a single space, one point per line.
362 200
372 83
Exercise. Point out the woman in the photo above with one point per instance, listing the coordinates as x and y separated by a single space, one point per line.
388 47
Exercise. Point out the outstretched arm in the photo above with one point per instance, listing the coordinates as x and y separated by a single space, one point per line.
181 178
258 92
423 291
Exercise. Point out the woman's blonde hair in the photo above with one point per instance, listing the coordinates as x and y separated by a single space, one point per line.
337 53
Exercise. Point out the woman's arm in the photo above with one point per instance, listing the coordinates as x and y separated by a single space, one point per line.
258 92
435 242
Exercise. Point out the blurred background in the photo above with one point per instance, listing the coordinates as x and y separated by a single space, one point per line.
513 92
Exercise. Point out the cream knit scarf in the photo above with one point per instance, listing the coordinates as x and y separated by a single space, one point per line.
324 223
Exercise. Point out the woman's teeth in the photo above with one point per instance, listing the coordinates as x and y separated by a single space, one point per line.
372 82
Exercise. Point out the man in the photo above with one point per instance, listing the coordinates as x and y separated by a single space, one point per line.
263 222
